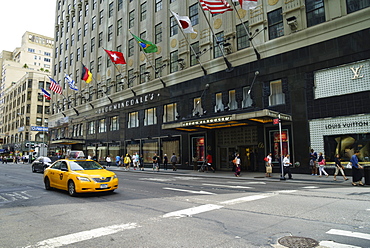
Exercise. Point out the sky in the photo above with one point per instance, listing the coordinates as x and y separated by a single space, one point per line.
19 16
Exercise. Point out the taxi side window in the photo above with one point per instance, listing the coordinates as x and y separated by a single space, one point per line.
63 165
57 165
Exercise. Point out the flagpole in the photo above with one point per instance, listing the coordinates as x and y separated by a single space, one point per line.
246 31
68 104
191 47
142 49
228 64
133 92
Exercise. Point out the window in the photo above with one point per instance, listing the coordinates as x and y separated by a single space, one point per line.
101 17
242 40
119 27
219 105
217 48
275 23
193 57
110 10
158 33
131 47
84 50
133 119
276 93
170 112
232 100
355 5
79 34
158 67
150 117
99 64
158 5
143 74
100 39
247 100
131 19
72 39
92 45
93 23
315 12
85 29
193 14
119 5
39 121
110 32
39 109
78 54
102 126
143 12
174 28
197 110
114 123
174 64
91 127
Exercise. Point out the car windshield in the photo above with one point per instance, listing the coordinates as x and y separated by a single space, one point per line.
46 159
84 165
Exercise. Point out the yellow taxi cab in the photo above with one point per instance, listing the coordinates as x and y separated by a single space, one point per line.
79 176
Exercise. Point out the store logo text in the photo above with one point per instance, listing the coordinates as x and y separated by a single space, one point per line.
347 125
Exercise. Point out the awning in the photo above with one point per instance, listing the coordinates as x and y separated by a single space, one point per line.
264 116
67 141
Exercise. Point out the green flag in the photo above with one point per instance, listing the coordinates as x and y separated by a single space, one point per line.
147 46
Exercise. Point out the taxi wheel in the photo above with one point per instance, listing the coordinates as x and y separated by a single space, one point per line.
47 183
71 188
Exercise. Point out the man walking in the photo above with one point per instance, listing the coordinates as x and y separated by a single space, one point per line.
173 161
286 164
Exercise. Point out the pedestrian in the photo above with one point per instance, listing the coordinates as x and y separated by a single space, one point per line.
322 162
155 162
108 160
237 163
313 162
286 166
338 167
209 162
165 161
118 159
269 165
357 172
135 161
5 160
141 162
195 163
127 161
173 161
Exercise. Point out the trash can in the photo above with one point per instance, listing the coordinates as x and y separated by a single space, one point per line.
367 174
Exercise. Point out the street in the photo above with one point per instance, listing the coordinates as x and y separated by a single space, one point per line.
182 210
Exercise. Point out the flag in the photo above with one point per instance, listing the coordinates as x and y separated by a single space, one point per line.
116 57
55 87
184 23
247 4
86 74
46 94
216 6
71 82
147 46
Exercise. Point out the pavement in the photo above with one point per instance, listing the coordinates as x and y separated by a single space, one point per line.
259 176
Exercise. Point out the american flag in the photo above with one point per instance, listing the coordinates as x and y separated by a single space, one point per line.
55 87
216 6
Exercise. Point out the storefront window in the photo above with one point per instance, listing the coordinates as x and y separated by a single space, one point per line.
198 149
170 147
149 148
275 143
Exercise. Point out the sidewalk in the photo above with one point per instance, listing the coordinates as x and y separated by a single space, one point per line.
258 176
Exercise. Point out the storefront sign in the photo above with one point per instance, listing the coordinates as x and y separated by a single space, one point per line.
206 121
347 125
40 129
127 103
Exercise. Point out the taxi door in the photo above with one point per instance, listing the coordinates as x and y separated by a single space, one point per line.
57 175
63 176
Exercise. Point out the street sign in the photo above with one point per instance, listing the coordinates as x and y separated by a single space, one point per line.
276 121
40 129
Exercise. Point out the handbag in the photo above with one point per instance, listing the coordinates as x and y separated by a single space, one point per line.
349 165
268 169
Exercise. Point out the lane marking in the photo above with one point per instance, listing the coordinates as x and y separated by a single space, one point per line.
245 199
192 191
246 182
157 179
310 187
349 234
187 178
227 186
332 244
192 211
84 235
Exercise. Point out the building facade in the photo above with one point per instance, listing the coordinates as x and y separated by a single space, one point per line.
246 73
24 110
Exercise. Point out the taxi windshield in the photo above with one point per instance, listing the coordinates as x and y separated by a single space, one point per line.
84 165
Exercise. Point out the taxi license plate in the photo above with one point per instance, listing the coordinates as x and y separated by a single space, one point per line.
103 186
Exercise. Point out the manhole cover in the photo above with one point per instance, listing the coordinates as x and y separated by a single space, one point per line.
298 242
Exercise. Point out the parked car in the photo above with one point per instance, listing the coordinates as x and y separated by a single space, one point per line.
40 164
79 176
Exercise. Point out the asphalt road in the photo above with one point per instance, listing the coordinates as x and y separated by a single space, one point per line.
157 210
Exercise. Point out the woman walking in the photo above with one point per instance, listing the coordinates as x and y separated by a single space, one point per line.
269 165
357 172
338 167
322 163
237 165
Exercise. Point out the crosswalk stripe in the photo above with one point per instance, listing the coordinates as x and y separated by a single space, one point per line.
349 234
332 244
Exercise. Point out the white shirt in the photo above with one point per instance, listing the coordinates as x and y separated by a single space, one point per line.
286 161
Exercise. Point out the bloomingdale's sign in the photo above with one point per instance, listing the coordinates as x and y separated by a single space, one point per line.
128 103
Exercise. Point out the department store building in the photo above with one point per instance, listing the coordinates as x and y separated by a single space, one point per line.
302 63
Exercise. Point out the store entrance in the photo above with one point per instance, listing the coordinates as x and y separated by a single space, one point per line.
247 156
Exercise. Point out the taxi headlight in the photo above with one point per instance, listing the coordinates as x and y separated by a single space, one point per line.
83 179
115 176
